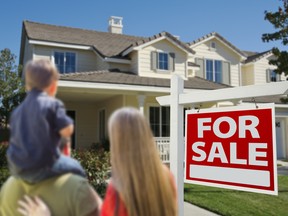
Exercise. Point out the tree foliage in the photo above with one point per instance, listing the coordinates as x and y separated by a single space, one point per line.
279 20
12 90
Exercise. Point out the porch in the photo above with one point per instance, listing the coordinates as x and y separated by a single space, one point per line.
163 146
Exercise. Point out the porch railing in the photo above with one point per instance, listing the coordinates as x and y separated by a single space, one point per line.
163 145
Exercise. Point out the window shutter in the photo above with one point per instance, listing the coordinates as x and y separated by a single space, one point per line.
171 62
268 75
200 72
226 73
153 60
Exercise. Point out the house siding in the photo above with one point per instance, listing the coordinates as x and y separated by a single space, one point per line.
122 67
161 46
221 53
109 106
261 67
28 55
85 123
134 62
248 75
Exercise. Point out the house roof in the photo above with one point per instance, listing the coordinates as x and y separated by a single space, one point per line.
105 43
117 77
254 56
266 99
215 34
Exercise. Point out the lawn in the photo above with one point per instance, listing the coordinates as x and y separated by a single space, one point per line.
231 202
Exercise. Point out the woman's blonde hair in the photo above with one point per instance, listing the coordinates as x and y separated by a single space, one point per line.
137 171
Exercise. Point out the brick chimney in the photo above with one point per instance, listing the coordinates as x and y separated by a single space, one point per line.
115 25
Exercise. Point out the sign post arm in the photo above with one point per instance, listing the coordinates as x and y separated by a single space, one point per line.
177 139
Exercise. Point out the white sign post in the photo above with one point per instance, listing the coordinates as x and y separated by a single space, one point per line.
177 99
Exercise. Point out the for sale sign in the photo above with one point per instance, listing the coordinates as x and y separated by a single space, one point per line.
232 148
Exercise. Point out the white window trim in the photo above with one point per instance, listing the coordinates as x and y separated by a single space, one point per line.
214 76
65 51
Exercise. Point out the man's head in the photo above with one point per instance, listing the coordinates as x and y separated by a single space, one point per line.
42 75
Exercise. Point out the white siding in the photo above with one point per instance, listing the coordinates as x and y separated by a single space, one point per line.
134 62
248 75
222 53
122 67
162 46
28 55
261 67
85 123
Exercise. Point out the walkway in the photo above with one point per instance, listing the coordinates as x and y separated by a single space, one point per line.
192 210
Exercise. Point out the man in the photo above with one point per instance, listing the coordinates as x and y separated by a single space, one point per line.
68 194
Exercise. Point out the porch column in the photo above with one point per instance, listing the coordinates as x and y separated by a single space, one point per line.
141 100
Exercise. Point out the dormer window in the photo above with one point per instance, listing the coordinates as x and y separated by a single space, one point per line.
213 46
65 61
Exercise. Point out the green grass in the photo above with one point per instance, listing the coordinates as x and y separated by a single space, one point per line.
231 202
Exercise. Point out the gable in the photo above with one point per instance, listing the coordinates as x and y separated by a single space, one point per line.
220 52
207 39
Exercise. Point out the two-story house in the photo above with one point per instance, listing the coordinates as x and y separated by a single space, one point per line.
102 71
222 62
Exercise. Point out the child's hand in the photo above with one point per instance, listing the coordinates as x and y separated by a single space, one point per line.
33 207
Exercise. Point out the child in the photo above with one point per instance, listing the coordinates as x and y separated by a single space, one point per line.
40 120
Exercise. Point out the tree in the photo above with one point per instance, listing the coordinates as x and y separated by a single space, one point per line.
279 20
12 90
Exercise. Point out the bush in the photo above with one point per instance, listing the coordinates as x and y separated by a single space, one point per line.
4 135
4 172
96 164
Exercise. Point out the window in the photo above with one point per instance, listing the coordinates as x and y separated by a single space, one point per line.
65 61
162 61
213 46
159 118
214 70
273 76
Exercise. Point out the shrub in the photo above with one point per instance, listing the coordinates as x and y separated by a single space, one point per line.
4 172
4 135
96 164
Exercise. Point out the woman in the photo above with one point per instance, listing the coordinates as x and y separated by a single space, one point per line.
140 184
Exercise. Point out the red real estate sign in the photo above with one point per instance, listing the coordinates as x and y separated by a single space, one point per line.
232 148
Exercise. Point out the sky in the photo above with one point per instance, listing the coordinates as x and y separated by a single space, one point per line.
241 22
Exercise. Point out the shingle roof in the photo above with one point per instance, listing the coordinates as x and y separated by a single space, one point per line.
114 77
266 99
105 43
215 34
253 57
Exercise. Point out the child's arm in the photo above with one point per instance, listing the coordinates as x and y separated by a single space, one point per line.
67 131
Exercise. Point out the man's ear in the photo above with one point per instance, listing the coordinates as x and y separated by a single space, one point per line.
52 89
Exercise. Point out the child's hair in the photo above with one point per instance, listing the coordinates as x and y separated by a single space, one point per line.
39 74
